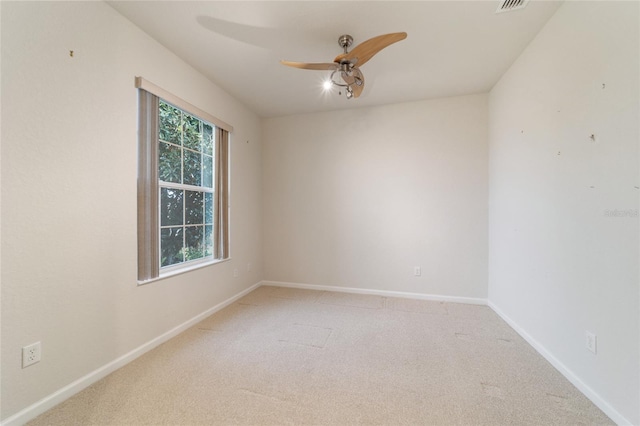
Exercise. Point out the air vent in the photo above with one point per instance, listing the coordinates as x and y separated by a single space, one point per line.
509 5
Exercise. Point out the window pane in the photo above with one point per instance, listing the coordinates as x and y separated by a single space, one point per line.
192 132
207 139
194 207
208 240
170 128
171 246
169 163
208 208
207 171
192 168
194 243
187 172
171 203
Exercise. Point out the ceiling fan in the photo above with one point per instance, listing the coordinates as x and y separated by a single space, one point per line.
346 66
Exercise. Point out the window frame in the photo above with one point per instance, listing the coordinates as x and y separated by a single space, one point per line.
149 185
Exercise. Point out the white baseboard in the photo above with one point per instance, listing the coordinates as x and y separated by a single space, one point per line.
566 372
34 410
387 293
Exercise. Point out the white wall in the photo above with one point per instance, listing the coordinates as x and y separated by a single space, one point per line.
558 265
357 198
69 195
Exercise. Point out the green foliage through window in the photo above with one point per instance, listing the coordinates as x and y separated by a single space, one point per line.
185 171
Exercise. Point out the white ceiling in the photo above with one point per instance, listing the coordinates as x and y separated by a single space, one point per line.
452 48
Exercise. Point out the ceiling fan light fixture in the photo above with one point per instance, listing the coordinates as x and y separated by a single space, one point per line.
338 81
348 77
349 92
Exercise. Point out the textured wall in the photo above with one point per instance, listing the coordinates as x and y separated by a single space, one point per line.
561 260
69 164
358 198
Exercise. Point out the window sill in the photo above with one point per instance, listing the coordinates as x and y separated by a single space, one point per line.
180 271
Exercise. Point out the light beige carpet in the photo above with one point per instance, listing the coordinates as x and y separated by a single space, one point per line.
291 356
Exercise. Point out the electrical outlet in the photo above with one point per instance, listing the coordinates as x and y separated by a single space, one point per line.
591 341
417 271
249 267
31 354
235 273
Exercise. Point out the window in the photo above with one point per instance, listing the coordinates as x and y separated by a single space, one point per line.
183 185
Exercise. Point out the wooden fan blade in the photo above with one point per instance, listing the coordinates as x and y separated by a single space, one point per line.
367 49
307 66
353 79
